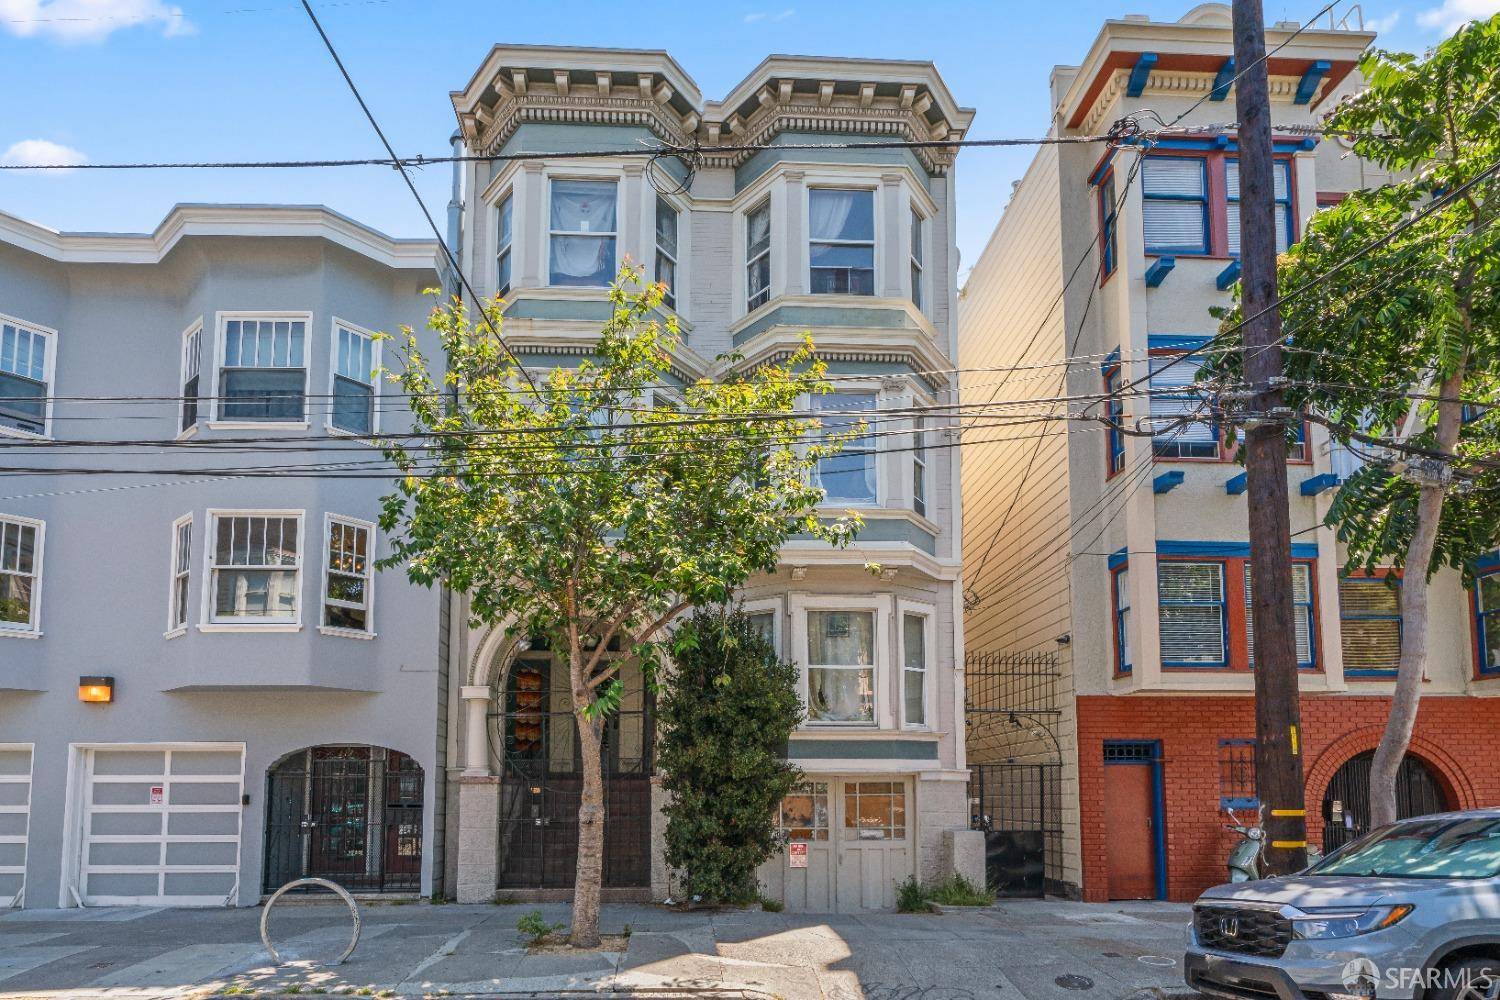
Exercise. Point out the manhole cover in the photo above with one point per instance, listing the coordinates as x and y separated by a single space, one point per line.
1074 982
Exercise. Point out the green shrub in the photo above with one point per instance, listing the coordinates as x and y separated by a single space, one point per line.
536 928
955 890
771 905
726 714
911 897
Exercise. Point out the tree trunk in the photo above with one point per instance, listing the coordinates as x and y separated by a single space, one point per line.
589 875
1414 591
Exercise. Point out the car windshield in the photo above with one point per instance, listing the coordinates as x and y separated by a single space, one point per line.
1440 847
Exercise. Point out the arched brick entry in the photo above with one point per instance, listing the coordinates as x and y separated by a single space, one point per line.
1456 788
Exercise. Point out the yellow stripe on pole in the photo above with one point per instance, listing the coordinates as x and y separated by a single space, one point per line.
1288 812
1289 844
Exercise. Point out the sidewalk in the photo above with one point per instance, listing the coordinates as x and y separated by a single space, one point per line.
1021 950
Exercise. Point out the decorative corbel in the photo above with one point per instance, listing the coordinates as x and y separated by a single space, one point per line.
605 83
825 93
766 98
560 80
866 94
518 81
921 104
908 94
644 83
784 91
663 92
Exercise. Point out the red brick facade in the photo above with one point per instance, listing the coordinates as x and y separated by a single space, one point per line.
1455 737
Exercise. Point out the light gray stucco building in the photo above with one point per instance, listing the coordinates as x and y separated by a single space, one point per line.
274 703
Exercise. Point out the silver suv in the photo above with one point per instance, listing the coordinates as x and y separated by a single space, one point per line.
1407 912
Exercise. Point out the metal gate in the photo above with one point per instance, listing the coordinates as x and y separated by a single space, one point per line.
542 781
1346 804
351 814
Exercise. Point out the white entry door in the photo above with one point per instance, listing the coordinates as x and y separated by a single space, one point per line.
849 842
15 820
160 825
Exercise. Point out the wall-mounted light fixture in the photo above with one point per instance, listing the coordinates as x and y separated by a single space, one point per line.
96 690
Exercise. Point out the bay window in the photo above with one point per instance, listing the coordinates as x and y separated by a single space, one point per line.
1122 620
849 475
504 233
1370 625
919 466
1190 597
918 263
1172 400
758 256
842 249
841 666
255 564
263 376
20 575
666 250
348 576
1114 435
24 377
582 233
355 357
1174 204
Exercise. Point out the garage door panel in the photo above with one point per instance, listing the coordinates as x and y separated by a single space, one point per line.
178 826
13 824
15 818
12 855
16 763
131 762
14 793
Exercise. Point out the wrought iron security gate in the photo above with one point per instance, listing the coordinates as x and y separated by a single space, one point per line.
1346 804
542 781
351 814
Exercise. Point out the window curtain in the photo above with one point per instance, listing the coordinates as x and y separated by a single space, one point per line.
841 215
582 207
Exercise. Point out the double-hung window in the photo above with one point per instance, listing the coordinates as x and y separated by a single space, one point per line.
666 250
1487 614
182 571
24 376
758 256
1114 435
919 466
192 362
264 371
1122 619
1180 429
1109 243
914 646
1174 204
255 565
1190 598
842 249
1302 611
20 575
355 356
1281 172
347 581
1370 625
841 666
504 233
848 476
918 259
582 233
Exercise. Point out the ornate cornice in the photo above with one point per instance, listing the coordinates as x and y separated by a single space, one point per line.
1283 89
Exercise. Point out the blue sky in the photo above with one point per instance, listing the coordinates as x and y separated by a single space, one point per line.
148 80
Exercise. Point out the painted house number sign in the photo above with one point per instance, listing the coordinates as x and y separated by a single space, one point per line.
797 855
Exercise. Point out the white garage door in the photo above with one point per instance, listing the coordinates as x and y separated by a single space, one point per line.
15 818
850 841
161 825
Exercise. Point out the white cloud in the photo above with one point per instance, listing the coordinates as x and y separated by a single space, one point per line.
89 20
40 152
1380 25
759 15
1453 14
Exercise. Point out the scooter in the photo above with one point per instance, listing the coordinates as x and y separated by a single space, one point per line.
1244 858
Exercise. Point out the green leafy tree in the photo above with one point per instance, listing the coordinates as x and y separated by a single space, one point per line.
726 715
584 508
1407 329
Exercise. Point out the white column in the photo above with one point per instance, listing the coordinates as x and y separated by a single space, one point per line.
632 217
476 746
529 222
892 249
792 254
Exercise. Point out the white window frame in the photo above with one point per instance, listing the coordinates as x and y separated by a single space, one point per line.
678 258
509 249
928 614
33 630
180 568
375 358
882 605
612 177
191 361
917 240
23 809
878 453
210 536
921 480
743 224
368 632
221 323
877 232
49 380
773 607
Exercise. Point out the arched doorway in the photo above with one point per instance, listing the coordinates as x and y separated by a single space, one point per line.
542 778
348 813
1346 803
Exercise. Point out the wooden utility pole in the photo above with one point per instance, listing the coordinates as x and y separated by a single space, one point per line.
1278 736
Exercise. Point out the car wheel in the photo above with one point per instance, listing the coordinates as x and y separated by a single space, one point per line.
1468 979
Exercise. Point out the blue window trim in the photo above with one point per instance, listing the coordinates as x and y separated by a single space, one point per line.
1114 410
1201 248
1123 667
1369 581
1223 605
1488 566
1229 550
1108 223
1283 205
1308 608
1158 801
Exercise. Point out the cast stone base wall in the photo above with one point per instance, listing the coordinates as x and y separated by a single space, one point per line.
478 839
